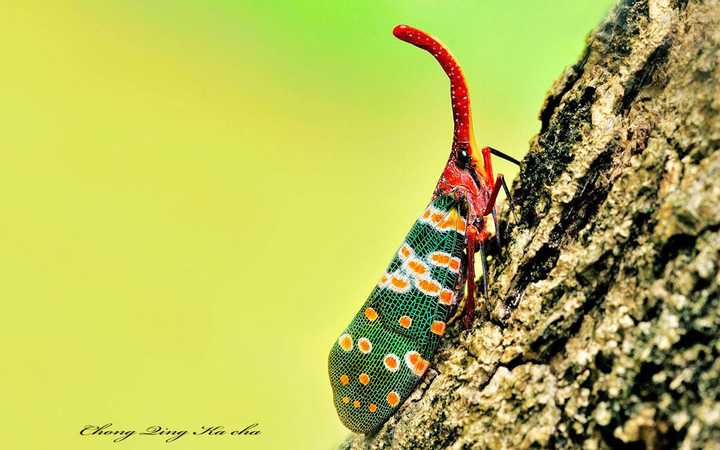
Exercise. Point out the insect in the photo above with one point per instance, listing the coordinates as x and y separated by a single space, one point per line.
380 357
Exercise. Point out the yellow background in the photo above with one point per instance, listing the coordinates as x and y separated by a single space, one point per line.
196 196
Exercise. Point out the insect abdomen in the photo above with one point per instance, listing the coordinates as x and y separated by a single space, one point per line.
379 358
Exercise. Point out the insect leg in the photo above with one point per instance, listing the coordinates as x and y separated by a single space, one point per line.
493 195
483 257
508 195
474 238
487 163
472 234
499 182
497 228
504 156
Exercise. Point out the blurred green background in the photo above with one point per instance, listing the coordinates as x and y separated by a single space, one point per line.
196 196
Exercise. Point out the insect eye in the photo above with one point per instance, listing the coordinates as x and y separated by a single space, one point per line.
463 158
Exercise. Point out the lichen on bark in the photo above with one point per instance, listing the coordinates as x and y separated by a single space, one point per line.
602 328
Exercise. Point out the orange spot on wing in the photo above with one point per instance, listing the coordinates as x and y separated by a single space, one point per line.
416 363
364 379
371 314
364 345
383 280
356 404
399 283
438 327
447 297
460 225
429 287
418 267
405 252
344 379
405 321
346 400
372 407
391 362
421 366
345 342
450 221
454 264
440 258
436 217
411 358
392 398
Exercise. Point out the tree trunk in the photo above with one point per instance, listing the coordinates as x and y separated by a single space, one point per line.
602 328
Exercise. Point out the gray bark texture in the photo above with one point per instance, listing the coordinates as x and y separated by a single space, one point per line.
602 328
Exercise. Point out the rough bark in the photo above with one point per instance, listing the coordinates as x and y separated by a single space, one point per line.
602 328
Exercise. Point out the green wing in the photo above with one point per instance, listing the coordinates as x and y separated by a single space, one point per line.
379 358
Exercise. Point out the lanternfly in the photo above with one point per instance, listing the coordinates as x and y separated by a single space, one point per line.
379 358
